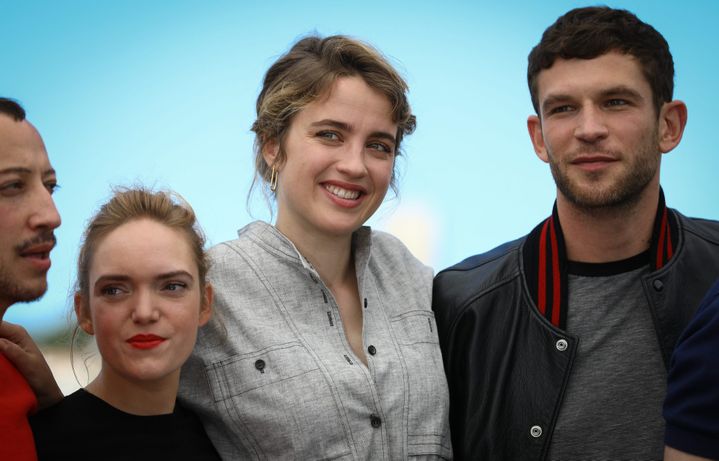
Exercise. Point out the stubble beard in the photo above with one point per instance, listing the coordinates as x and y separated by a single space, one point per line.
625 188
17 290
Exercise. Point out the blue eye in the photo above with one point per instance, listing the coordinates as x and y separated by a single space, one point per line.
330 135
175 286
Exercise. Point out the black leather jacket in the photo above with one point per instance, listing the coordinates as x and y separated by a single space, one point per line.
508 366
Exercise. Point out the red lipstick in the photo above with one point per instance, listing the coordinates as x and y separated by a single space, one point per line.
147 341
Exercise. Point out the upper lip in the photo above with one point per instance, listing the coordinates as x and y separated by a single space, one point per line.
145 337
44 247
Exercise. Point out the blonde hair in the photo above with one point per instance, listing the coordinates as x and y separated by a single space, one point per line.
166 208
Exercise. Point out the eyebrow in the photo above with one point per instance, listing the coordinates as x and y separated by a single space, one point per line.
347 127
23 170
125 278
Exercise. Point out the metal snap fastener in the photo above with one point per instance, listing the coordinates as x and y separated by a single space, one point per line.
536 431
375 421
372 350
658 285
260 365
562 345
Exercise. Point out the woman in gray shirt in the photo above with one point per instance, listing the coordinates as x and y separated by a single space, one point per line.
327 347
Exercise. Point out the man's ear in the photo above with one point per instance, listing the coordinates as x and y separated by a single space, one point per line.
206 304
672 121
271 152
534 126
82 312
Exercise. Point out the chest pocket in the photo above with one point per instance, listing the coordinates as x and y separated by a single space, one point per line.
282 402
428 424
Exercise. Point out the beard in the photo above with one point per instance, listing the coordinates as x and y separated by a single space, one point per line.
17 291
17 287
607 190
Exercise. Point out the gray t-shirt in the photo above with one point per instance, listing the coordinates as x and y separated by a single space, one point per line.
612 409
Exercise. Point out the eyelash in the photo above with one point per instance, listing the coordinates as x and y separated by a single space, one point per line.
334 136
180 286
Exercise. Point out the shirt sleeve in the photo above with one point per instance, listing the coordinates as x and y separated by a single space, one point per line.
691 408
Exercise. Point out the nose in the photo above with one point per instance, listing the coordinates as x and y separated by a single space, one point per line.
145 310
591 125
45 214
352 161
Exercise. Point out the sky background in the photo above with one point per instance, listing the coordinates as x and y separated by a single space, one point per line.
163 93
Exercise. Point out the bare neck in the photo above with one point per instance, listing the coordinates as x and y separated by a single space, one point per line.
142 398
608 234
331 256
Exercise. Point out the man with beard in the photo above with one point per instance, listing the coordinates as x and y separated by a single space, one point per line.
556 345
27 219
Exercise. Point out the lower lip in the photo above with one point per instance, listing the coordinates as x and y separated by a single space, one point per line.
41 264
143 345
343 202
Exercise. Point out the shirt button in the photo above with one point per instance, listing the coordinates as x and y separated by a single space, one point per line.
561 345
372 350
536 431
658 285
260 365
375 420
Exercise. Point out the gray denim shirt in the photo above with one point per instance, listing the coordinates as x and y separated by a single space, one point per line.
273 376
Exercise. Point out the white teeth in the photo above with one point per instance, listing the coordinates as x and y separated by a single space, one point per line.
342 193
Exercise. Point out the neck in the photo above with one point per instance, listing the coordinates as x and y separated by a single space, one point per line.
137 397
608 234
331 256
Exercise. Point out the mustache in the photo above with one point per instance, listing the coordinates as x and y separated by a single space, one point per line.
44 237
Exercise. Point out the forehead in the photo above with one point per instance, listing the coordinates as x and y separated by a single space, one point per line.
351 97
583 76
143 248
21 146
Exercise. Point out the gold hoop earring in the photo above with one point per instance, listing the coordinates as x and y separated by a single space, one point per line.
273 179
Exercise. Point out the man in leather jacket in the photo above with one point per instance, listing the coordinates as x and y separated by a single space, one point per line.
556 345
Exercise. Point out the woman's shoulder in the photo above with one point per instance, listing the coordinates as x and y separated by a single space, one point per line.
388 249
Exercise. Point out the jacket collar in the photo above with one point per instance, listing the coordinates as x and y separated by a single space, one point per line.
545 260
274 241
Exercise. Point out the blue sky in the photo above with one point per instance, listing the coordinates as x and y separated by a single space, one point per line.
163 93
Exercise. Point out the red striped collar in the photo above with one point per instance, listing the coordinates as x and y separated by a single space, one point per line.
545 260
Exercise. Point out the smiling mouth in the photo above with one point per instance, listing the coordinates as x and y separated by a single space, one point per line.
342 193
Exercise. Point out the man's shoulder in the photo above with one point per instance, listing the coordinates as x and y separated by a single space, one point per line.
478 274
706 229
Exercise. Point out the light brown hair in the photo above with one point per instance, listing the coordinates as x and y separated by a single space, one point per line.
306 72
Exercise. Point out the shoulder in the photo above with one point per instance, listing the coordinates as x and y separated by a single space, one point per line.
704 229
477 274
60 420
691 406
389 247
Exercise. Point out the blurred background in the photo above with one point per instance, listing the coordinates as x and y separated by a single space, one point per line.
163 92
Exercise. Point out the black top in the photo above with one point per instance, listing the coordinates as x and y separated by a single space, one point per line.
85 427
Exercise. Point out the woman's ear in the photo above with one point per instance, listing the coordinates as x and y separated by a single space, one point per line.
82 312
271 152
206 304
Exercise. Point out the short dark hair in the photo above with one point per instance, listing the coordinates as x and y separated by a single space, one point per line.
12 108
586 33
